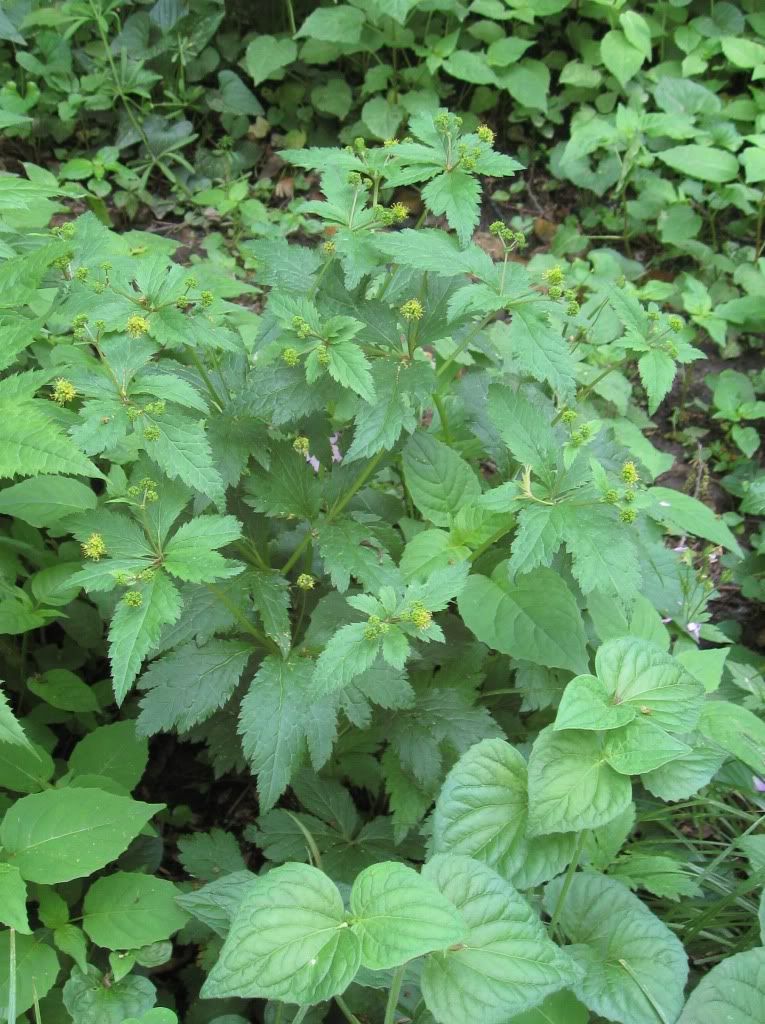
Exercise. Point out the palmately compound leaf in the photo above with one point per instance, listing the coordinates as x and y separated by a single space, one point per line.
63 834
505 964
134 630
281 717
571 787
482 812
634 968
399 915
734 990
289 940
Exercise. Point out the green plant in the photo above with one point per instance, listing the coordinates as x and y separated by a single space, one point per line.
317 543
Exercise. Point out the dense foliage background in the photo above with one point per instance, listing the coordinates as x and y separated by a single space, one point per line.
381 537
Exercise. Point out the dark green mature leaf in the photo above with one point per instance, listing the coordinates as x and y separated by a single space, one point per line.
37 968
282 717
457 195
440 482
135 630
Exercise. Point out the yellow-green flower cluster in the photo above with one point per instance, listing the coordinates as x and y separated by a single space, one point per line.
94 547
412 309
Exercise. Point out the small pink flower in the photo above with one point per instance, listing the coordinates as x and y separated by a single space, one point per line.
759 784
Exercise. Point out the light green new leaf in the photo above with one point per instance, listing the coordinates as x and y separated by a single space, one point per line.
350 367
271 597
587 704
571 787
182 451
36 971
289 940
482 812
439 481
621 58
129 910
734 991
191 553
63 834
456 194
348 654
603 555
339 24
641 746
657 372
13 899
637 674
634 968
562 1008
506 963
398 915
682 514
703 162
135 631
267 56
523 427
535 618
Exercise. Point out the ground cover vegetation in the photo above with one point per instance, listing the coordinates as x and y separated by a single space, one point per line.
381 553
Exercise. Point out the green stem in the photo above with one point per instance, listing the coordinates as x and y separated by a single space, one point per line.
758 246
206 378
344 1009
244 622
497 535
291 16
395 992
464 344
12 977
336 509
301 1015
101 26
442 416
567 883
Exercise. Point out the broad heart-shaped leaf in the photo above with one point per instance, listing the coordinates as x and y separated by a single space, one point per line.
621 58
36 970
13 899
398 915
63 834
439 481
571 787
587 704
641 747
267 56
506 963
289 940
733 991
134 631
637 674
535 618
634 968
482 812
128 910
92 999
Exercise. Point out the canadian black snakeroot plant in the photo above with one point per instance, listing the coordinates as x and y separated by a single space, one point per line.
323 539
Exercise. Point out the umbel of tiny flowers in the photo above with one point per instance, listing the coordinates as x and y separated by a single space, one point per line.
418 615
630 474
133 599
137 325
94 547
64 391
291 356
412 309
301 445
305 581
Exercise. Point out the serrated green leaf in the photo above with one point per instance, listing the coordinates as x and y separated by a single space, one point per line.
733 990
439 481
456 195
182 451
90 1001
11 732
641 746
45 500
33 443
191 553
13 899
